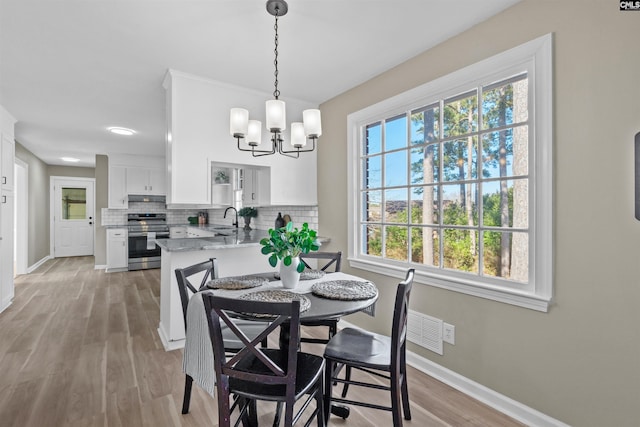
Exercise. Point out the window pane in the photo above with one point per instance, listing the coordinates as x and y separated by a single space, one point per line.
425 164
459 204
425 125
461 249
74 203
395 133
396 243
502 155
424 205
498 203
395 168
373 139
371 206
506 255
425 246
372 172
504 104
372 240
395 206
461 115
460 161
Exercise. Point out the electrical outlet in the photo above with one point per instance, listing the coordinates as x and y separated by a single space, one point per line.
449 333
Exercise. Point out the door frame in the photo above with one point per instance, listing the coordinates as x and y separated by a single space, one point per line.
21 217
52 208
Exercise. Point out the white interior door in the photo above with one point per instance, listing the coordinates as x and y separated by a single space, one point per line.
73 216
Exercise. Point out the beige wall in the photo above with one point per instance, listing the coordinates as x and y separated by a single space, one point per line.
38 203
102 200
579 362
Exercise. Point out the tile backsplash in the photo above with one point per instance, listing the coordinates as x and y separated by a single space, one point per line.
265 219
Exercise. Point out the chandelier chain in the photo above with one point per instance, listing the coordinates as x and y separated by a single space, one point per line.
276 92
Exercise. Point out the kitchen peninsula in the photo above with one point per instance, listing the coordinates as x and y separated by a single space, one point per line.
237 252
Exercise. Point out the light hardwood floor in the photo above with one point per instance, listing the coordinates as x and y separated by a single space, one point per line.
79 347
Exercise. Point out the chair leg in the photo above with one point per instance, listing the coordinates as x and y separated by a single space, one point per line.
276 418
187 394
320 403
395 400
328 387
347 377
405 397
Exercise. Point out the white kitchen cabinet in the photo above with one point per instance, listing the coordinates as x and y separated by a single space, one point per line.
250 189
8 156
177 232
145 181
117 249
118 187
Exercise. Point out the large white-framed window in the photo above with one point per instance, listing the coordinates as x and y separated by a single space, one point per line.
454 178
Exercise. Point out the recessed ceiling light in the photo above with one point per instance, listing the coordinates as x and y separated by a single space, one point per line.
70 159
122 131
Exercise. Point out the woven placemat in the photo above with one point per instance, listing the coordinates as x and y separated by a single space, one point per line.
306 275
347 290
237 282
276 295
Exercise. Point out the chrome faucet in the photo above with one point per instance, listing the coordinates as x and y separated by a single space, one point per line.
236 211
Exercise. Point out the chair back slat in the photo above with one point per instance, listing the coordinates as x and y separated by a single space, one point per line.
185 285
400 315
221 311
332 258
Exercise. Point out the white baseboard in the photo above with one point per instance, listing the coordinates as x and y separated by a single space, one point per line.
5 303
169 345
100 267
32 268
497 401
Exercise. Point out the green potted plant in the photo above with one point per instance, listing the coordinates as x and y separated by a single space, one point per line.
286 244
247 213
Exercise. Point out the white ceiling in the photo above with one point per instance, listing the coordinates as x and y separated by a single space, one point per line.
70 69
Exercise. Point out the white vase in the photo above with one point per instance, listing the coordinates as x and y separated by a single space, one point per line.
289 273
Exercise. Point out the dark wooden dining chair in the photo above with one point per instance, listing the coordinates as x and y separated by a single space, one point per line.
328 262
208 271
378 355
255 373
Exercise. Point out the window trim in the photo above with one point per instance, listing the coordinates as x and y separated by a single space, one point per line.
535 57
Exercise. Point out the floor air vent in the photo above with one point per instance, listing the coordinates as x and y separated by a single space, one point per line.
426 331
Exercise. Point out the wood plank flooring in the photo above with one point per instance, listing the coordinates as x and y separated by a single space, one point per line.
79 347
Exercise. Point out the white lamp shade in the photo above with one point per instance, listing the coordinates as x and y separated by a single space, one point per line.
276 115
254 133
298 138
312 123
238 122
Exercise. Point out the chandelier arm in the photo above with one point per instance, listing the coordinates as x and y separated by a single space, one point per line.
253 149
298 150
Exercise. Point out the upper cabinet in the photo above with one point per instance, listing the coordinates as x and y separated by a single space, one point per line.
198 135
146 181
118 187
134 175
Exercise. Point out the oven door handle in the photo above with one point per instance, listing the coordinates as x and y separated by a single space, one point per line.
158 235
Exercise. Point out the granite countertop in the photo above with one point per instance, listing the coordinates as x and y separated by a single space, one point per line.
234 240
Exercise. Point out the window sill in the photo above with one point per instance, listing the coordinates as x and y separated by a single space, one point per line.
468 287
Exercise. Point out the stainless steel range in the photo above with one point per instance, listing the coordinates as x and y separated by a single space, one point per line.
144 228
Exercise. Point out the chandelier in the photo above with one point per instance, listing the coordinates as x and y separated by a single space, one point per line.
241 128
